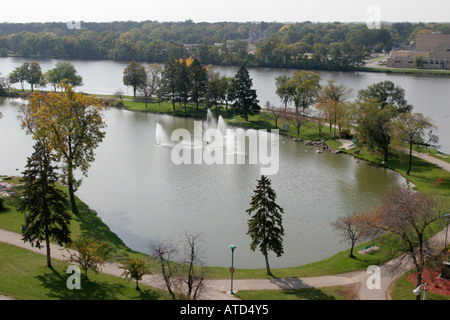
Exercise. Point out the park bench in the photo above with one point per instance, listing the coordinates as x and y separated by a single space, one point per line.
368 249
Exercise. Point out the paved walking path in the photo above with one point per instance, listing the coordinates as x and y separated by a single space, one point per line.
219 289
348 144
440 163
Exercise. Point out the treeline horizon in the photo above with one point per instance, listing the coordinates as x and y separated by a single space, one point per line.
302 45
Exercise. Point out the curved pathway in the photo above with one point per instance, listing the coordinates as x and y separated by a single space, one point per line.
219 289
440 163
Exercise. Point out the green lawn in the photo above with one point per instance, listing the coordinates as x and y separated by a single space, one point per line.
403 290
24 275
424 175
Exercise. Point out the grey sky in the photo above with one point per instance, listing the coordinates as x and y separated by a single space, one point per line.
230 10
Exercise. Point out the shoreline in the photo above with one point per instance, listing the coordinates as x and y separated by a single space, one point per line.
391 70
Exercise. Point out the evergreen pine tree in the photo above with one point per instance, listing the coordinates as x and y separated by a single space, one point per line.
265 226
169 81
199 80
183 82
244 96
43 203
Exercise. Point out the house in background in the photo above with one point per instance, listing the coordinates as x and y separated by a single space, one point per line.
430 51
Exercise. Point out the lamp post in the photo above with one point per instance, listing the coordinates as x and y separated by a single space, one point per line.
447 215
429 143
232 247
419 289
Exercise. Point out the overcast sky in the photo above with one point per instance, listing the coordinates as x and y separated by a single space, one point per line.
230 10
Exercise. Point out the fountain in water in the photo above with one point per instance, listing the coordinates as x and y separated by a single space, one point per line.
210 120
161 137
233 141
222 126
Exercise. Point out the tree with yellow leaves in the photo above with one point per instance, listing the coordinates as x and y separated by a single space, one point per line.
71 125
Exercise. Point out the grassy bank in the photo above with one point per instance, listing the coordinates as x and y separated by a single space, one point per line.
401 71
423 174
86 224
24 275
402 290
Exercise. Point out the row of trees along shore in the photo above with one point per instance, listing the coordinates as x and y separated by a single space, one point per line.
305 45
380 117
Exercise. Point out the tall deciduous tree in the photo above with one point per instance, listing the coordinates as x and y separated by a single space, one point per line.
163 251
134 76
193 273
30 72
387 93
374 124
265 226
245 99
19 74
285 90
34 74
71 124
352 228
63 70
43 203
306 87
406 217
410 128
153 82
332 100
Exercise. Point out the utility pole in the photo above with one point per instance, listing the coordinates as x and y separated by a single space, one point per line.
114 42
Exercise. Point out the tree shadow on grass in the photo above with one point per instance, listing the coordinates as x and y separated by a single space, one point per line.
56 285
57 288
298 288
91 226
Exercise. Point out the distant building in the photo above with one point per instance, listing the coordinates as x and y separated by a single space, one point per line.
433 48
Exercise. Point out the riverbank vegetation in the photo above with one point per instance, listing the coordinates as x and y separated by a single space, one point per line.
302 45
